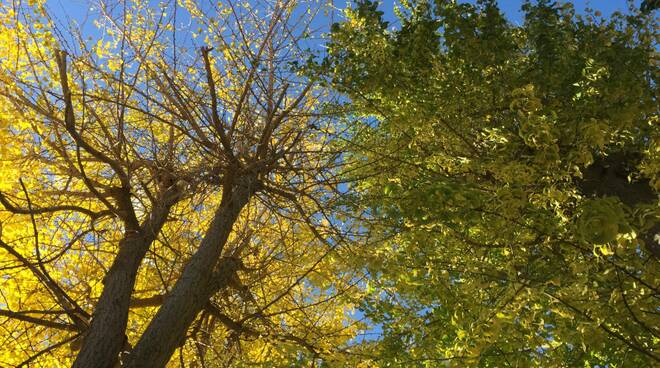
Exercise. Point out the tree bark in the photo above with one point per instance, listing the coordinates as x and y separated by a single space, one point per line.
196 285
106 336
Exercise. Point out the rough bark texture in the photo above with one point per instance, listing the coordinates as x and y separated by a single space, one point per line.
195 286
106 338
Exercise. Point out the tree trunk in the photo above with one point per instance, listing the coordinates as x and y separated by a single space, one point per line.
106 336
196 285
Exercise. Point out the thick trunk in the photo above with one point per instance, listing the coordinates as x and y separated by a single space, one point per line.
106 337
196 285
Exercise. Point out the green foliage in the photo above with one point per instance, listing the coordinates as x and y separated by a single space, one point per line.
510 173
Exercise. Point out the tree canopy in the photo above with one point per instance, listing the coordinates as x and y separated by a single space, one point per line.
226 184
160 197
511 174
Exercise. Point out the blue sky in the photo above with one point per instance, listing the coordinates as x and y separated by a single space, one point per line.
78 9
82 12
607 7
512 7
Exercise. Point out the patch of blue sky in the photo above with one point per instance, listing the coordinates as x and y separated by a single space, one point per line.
81 13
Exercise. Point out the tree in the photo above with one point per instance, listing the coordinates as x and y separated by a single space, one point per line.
648 6
510 175
167 190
